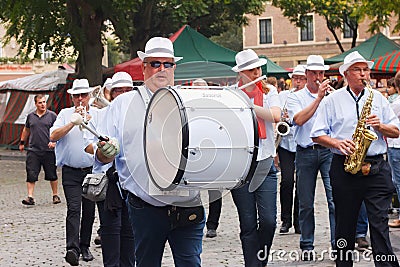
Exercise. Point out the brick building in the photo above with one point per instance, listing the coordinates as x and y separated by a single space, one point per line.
273 35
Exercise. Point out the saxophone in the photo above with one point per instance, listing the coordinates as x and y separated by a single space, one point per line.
362 137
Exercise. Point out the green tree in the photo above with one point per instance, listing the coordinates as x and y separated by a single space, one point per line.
65 27
76 26
162 18
337 13
380 12
232 38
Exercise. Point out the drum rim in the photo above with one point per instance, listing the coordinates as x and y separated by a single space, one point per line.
185 138
255 152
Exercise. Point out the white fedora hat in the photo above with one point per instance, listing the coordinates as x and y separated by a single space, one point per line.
121 79
158 47
352 58
247 60
80 86
107 84
316 62
298 70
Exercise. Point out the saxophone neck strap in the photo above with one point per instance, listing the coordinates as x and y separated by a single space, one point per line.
356 99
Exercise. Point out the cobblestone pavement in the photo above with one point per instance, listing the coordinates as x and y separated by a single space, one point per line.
35 236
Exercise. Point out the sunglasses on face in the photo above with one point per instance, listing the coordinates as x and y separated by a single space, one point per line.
83 95
157 64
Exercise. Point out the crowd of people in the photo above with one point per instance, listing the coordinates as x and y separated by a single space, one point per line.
326 132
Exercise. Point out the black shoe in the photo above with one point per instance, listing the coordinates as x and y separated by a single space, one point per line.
362 243
86 254
72 257
211 233
297 230
307 255
284 228
97 240
28 201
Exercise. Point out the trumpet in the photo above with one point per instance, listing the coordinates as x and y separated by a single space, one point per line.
83 113
330 88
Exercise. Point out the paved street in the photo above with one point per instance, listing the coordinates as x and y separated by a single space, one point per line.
34 236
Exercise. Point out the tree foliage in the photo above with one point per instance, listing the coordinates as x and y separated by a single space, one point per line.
76 26
162 18
380 12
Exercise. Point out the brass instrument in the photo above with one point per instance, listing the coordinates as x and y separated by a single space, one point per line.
83 114
362 137
330 88
100 100
282 127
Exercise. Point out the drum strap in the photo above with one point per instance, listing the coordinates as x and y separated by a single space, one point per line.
144 94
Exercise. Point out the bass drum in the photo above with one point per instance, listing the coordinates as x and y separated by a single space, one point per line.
200 139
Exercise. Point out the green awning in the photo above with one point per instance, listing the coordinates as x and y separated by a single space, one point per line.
376 46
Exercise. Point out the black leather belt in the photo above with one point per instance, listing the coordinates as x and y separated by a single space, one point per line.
376 157
84 169
132 198
313 147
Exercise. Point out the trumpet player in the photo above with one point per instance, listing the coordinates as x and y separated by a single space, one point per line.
286 153
303 107
76 164
342 125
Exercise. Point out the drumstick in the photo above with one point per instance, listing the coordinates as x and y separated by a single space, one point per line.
77 119
252 82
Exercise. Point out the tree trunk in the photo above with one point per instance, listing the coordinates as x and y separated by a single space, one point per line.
142 34
332 30
93 51
86 25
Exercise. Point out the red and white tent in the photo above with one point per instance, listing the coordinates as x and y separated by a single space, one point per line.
16 101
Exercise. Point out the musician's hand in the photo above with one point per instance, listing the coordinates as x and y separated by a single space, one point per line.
346 146
323 88
80 110
51 145
373 121
110 148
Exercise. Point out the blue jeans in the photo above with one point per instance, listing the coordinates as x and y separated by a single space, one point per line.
257 215
362 222
394 161
117 243
308 162
152 229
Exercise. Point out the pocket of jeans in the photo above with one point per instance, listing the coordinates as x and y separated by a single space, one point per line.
135 202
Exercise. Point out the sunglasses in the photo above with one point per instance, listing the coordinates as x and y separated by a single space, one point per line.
83 95
157 64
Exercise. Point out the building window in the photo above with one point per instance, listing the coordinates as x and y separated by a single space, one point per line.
347 31
265 31
44 54
307 31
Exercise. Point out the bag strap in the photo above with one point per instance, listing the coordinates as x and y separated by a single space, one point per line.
144 94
